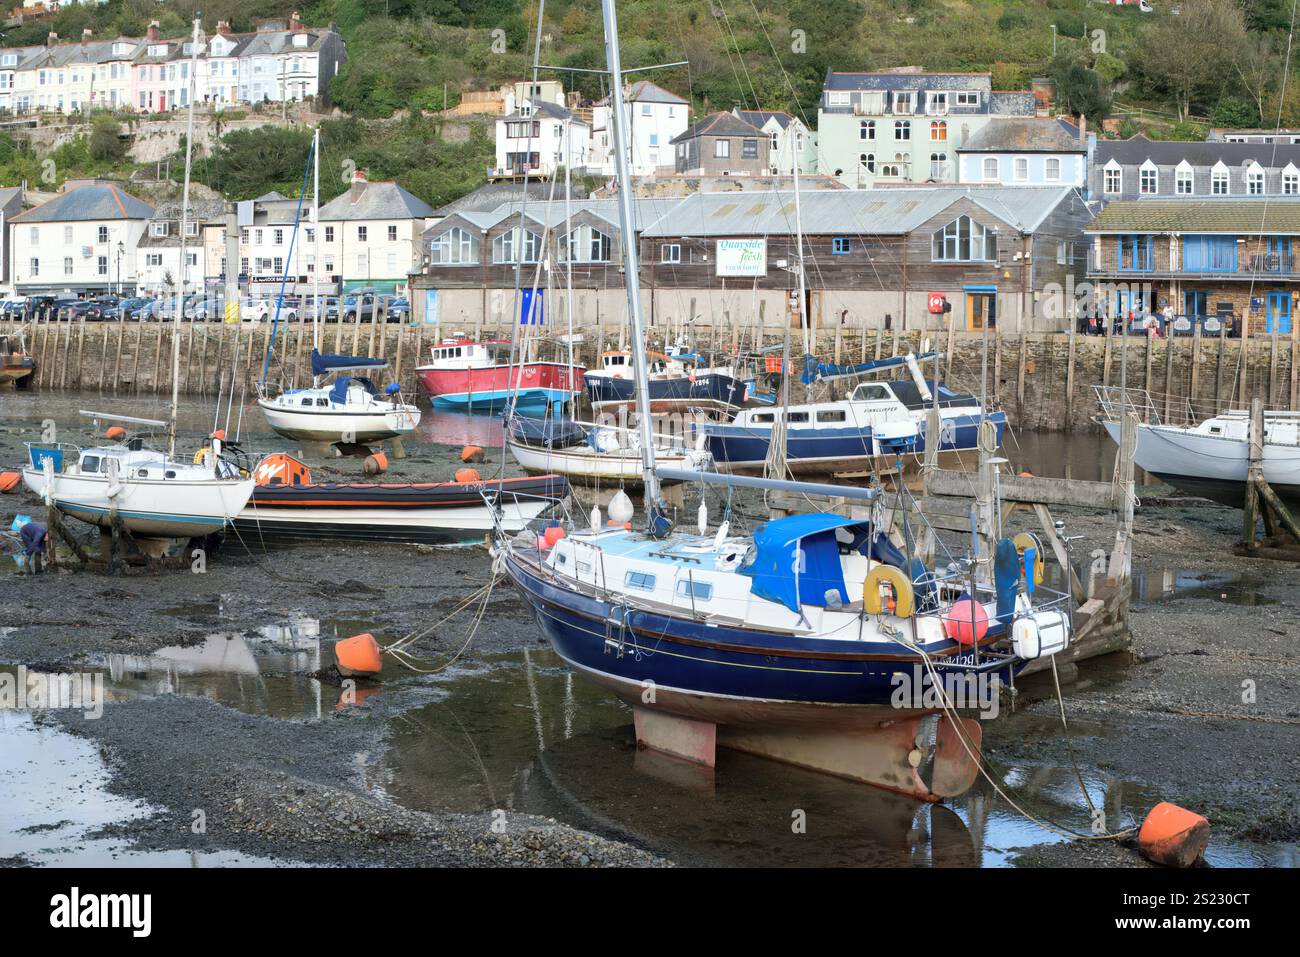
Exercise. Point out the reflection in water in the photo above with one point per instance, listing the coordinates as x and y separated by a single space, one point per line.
458 428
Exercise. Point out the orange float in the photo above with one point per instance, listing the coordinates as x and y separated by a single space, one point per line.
958 622
376 463
1173 836
359 655
468 476
115 433
9 481
472 454
553 535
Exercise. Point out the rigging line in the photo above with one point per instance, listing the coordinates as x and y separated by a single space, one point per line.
727 20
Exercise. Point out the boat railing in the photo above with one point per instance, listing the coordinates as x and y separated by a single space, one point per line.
670 441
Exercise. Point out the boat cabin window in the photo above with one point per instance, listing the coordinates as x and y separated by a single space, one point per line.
307 401
169 474
796 417
765 417
869 391
700 591
833 415
1215 429
323 402
639 580
90 463
143 473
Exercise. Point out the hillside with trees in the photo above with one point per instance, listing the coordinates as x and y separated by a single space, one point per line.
1169 73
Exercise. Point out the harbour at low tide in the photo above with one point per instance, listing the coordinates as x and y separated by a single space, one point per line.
221 677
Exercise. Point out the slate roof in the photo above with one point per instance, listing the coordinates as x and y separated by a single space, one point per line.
718 124
378 200
543 108
1277 214
1138 149
99 201
489 196
1024 134
908 81
759 118
201 212
643 91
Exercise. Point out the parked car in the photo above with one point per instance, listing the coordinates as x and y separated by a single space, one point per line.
329 307
131 307
61 309
399 310
95 310
206 309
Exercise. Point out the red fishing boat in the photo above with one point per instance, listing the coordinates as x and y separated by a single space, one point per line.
469 376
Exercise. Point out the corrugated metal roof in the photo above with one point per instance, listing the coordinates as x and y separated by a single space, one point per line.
886 211
377 201
1277 214
99 201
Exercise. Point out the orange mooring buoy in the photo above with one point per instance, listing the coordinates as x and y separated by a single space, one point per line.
376 463
115 433
358 655
472 454
1173 836
9 481
467 476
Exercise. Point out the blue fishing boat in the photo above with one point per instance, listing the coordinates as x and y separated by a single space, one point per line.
875 424
677 382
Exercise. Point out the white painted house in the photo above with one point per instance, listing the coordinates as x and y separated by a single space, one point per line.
538 138
84 241
371 235
788 138
655 117
160 248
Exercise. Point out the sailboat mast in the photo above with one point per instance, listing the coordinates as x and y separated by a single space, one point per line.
630 267
801 278
185 225
316 261
568 243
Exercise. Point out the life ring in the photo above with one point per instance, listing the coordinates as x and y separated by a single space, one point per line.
904 598
1025 541
202 455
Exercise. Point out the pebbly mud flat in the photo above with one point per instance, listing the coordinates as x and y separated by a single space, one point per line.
285 768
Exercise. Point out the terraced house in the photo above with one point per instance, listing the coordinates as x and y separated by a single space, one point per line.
905 126
1229 258
1139 167
283 60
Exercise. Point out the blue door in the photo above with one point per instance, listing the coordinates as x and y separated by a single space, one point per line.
1278 317
532 307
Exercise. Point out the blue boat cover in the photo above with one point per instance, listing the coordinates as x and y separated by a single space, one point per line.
1006 578
797 560
339 391
321 364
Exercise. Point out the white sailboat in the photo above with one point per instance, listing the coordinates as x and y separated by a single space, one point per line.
351 409
1210 457
152 494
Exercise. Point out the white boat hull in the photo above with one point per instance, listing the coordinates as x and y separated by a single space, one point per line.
582 464
339 425
431 526
148 508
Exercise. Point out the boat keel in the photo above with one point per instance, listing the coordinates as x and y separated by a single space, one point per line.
921 755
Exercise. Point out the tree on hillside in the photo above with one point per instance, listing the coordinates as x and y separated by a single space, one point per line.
1259 66
1184 52
1079 90
106 145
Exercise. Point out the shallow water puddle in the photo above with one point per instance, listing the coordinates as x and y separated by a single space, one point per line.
525 734
54 795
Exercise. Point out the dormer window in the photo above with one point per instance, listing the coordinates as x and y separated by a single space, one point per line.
1112 178
158 229
1183 181
1290 180
1255 180
1148 179
121 49
1219 179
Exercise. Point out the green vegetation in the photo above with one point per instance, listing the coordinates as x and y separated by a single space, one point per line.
1215 62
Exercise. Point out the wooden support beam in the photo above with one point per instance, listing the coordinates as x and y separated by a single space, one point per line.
1254 472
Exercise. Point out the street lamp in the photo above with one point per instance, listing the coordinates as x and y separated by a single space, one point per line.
1053 39
121 251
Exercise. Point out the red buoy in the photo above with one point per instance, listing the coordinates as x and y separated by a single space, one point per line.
1173 836
115 433
9 481
472 454
359 655
963 618
467 476
376 463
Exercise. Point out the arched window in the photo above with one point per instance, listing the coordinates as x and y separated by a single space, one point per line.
867 130
589 245
991 168
455 247
937 163
506 247
964 240
902 129
867 161
938 131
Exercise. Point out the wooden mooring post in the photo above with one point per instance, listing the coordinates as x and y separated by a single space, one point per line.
1281 529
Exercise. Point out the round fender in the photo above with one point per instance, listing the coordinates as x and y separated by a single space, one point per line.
1028 540
202 455
904 600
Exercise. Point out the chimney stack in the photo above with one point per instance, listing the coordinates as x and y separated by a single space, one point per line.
295 25
152 33
358 184
86 34
223 28
1083 130
51 39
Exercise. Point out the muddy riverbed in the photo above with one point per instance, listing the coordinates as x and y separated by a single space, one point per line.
227 739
